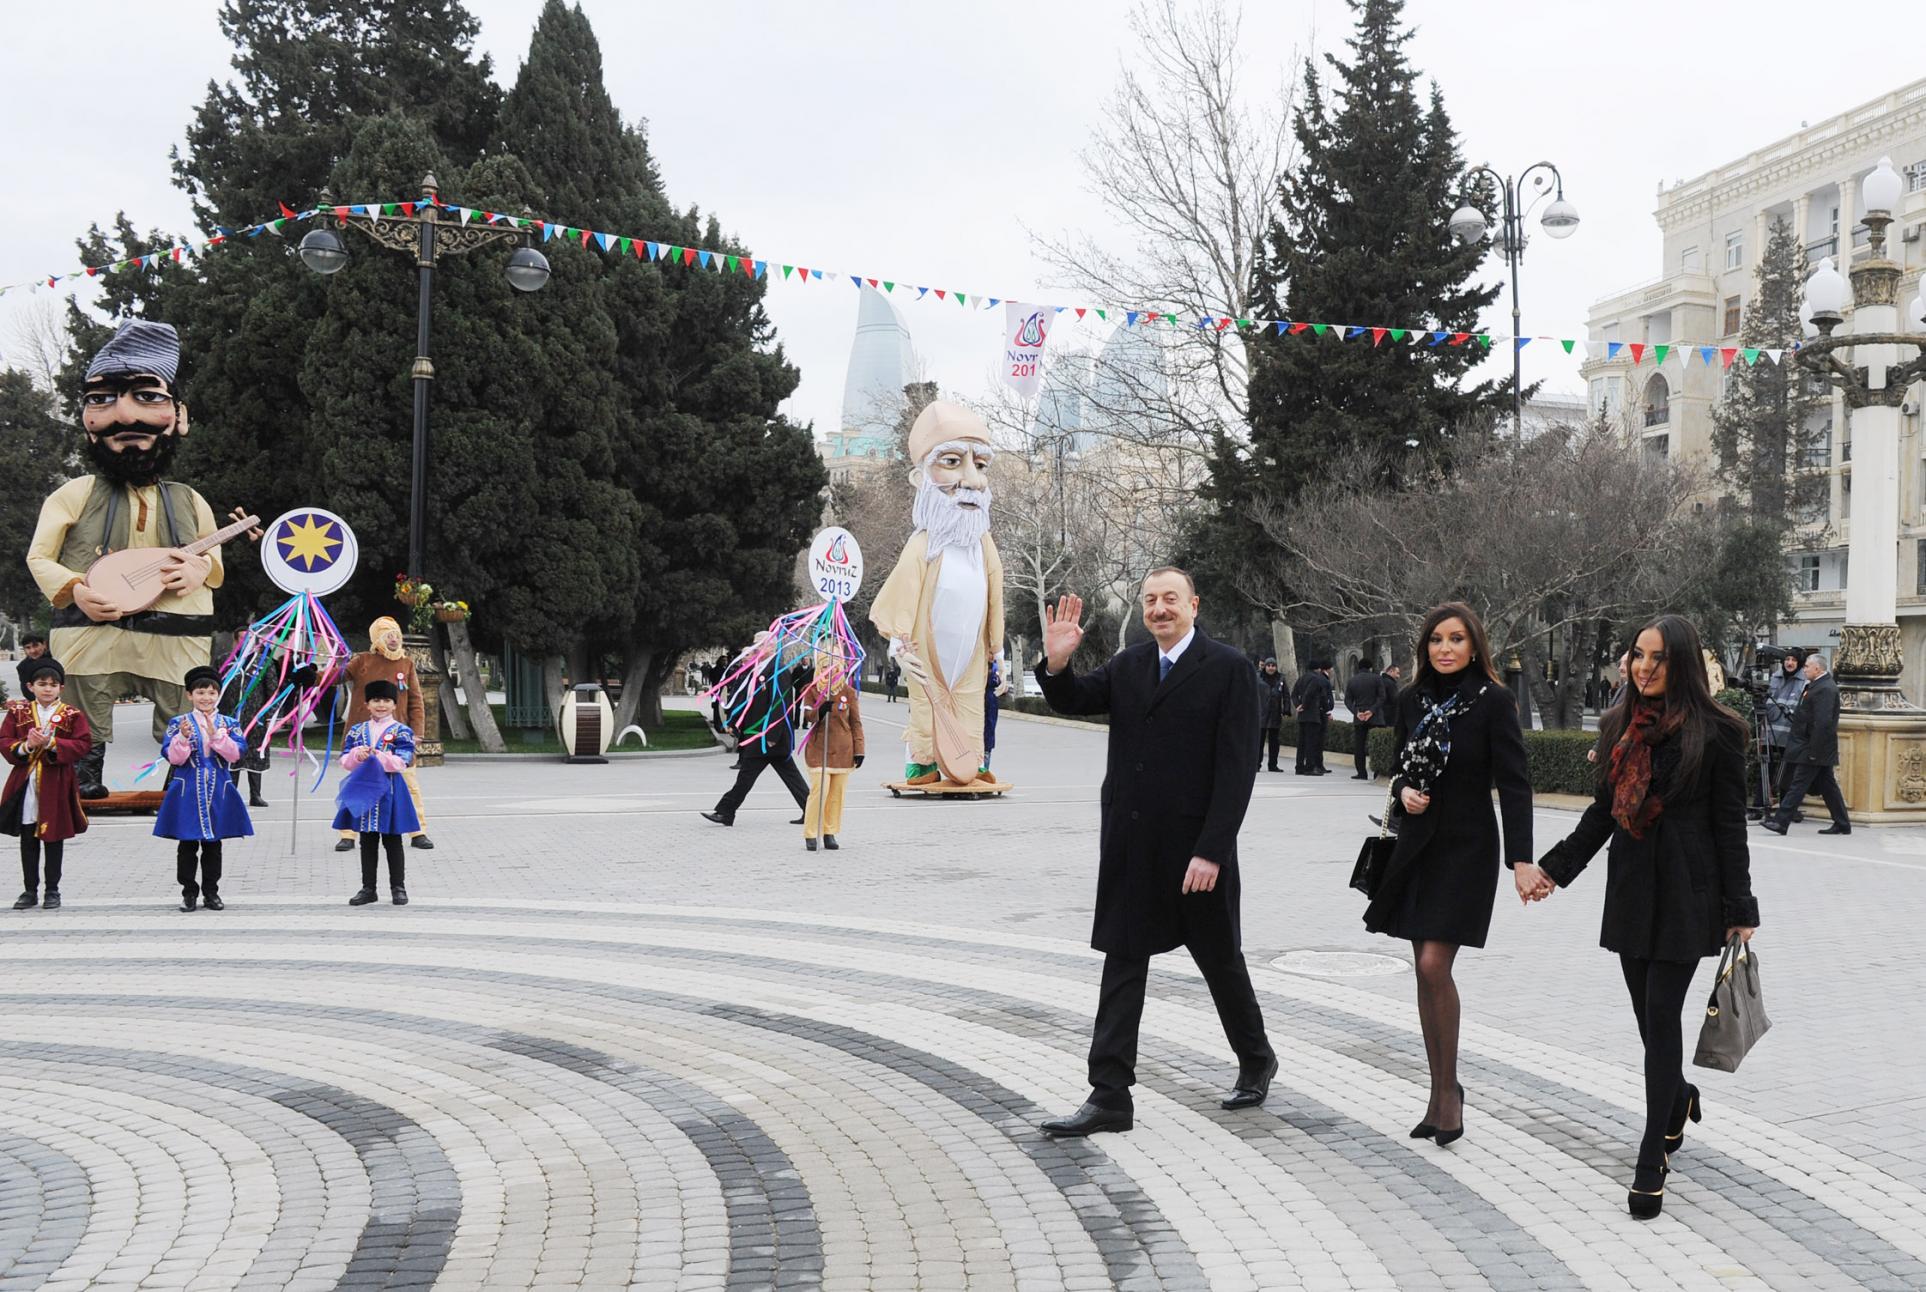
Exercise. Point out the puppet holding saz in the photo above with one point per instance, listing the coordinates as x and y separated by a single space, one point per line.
941 609
129 560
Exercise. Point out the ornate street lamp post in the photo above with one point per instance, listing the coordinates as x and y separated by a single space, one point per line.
427 239
1560 220
423 236
1871 362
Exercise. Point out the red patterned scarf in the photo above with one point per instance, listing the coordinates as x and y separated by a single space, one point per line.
1635 804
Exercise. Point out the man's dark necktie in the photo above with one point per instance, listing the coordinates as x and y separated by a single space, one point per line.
1163 667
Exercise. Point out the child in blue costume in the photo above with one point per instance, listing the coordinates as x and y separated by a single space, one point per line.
373 800
201 807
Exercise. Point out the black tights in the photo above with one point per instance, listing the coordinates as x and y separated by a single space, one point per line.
397 866
209 864
1658 990
30 847
1438 1016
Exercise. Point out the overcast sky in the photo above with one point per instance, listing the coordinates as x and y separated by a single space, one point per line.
910 142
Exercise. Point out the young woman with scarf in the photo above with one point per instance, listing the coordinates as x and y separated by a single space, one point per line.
1671 799
1456 737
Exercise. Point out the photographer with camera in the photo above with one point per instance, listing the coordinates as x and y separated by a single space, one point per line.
1774 703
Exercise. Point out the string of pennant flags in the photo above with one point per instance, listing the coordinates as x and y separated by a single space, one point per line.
761 268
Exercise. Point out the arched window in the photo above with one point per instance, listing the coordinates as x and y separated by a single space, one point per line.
1658 401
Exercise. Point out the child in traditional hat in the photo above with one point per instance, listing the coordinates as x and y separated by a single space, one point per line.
201 807
373 800
43 738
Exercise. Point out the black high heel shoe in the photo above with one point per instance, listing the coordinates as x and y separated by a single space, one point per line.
1647 1197
1675 1137
1452 1136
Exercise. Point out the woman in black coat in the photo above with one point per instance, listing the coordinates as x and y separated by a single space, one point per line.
1671 798
1456 736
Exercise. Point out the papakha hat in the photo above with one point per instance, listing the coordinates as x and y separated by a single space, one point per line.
139 345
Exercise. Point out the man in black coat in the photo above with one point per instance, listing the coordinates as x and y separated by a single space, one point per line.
1363 696
1183 716
1312 700
1270 703
1812 752
765 740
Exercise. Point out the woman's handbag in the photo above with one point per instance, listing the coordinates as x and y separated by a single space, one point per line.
1375 856
1735 1017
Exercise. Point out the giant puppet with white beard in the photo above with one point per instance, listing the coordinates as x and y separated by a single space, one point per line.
131 410
941 609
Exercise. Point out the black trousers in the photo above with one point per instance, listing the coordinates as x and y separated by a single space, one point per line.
208 863
1805 778
753 766
1310 746
1361 747
370 867
1658 989
253 783
1120 1011
1268 738
30 850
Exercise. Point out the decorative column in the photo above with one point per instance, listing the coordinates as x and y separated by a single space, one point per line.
1871 363
1799 205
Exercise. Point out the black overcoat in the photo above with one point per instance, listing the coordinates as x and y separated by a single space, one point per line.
1672 894
1364 691
1814 737
1270 701
1443 876
1176 784
1314 696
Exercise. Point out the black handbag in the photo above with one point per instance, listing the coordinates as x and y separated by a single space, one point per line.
1374 858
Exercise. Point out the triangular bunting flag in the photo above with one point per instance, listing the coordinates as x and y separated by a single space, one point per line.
1751 356
1705 355
961 299
285 211
582 236
688 255
995 301
1319 329
1659 352
1299 327
1130 318
790 269
1518 342
1774 355
602 240
703 257
1568 345
1221 324
1399 333
1351 330
1099 313
1638 351
1612 348
1727 354
1377 336
729 264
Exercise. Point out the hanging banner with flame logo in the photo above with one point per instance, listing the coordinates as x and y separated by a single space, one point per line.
1024 330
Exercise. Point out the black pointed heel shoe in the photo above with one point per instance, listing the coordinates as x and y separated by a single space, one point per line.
1647 1196
1693 1112
1456 1133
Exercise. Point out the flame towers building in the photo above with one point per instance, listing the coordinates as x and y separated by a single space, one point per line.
880 365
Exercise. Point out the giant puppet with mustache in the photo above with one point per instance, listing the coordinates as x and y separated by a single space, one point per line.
131 409
942 607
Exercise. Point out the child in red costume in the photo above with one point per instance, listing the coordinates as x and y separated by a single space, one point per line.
43 739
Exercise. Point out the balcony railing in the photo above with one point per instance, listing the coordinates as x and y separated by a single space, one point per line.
1816 251
1658 415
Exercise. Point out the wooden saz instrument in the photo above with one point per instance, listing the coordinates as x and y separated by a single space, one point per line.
130 579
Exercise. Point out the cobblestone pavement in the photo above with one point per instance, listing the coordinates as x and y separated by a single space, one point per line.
613 1045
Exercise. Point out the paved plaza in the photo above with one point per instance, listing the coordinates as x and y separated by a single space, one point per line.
613 1045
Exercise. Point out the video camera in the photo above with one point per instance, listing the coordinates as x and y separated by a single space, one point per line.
1767 662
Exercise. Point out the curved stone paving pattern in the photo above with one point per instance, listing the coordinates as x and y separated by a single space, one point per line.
477 1095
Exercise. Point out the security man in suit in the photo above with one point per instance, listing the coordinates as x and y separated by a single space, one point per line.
1183 718
1813 751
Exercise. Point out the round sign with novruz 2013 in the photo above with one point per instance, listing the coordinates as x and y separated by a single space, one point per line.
309 550
835 564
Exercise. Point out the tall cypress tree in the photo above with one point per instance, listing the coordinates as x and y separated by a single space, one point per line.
1362 237
311 75
35 451
1760 425
724 489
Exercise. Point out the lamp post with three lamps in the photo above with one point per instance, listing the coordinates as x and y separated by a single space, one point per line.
1872 363
1560 220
